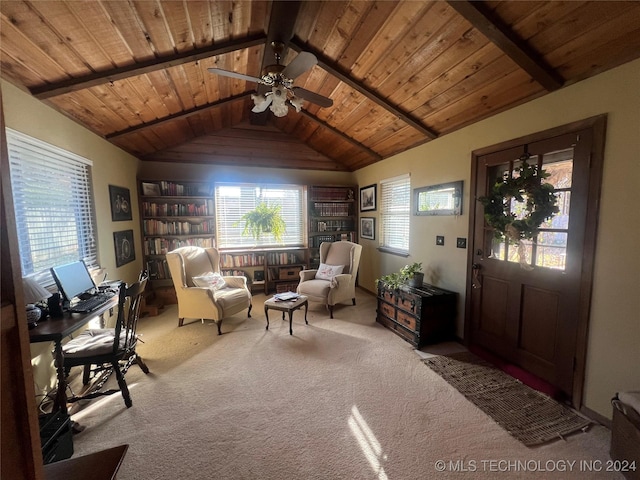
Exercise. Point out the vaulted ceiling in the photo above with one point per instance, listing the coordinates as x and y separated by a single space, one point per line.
399 73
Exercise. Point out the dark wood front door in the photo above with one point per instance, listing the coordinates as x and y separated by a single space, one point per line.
531 314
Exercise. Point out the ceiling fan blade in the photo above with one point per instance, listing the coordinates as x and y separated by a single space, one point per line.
241 76
303 62
313 97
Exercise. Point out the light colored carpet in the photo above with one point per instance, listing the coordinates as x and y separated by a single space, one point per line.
342 398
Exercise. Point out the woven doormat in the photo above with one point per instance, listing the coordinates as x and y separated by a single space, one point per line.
528 415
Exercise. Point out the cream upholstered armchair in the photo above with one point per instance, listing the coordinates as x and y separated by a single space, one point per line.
217 297
335 280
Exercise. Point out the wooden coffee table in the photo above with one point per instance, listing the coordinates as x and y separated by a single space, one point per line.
288 306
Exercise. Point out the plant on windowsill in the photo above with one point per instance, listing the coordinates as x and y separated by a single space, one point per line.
264 219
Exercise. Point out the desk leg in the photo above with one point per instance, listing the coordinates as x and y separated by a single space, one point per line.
266 309
60 402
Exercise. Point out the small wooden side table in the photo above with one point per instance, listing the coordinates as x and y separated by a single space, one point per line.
286 306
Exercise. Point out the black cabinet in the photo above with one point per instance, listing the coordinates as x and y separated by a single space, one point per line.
419 315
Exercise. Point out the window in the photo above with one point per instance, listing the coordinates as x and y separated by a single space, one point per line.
53 201
232 201
395 214
550 248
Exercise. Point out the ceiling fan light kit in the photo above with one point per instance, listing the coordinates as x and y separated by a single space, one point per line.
280 78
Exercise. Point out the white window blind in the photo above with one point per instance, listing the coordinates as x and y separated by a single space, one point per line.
232 201
395 213
53 203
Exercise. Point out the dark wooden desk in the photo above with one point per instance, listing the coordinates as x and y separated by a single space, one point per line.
55 330
102 465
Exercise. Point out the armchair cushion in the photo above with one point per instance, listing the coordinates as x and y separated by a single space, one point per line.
327 272
210 280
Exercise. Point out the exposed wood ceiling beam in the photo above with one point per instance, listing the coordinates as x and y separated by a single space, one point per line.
357 144
74 84
337 71
507 41
185 114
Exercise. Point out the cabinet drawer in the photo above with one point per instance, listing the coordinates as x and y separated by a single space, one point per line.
410 303
387 310
402 332
406 320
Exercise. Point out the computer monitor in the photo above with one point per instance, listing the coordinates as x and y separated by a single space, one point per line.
73 279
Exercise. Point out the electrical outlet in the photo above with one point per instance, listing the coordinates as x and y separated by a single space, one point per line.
461 242
439 240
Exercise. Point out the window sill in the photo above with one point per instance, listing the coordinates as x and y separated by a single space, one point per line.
393 251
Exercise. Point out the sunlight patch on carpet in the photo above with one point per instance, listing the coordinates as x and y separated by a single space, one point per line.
368 443
528 415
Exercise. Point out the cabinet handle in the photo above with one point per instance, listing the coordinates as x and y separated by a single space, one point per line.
413 305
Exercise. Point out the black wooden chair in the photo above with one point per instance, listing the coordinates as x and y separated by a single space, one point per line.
107 350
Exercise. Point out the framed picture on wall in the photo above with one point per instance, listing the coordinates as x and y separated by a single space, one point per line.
120 200
125 250
368 228
368 198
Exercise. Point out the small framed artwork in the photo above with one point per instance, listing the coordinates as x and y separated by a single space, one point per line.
150 189
120 200
368 198
125 250
368 228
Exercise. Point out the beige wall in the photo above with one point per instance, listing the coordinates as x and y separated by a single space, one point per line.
613 358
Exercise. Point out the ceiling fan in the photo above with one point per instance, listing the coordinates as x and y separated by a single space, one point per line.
280 78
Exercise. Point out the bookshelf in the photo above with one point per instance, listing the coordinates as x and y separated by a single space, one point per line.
332 213
266 270
174 214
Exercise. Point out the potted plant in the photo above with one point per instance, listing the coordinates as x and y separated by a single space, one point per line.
264 218
413 274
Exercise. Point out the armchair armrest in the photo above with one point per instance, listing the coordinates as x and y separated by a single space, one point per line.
307 275
340 280
235 282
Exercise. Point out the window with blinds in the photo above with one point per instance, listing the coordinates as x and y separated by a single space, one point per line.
395 213
53 201
232 201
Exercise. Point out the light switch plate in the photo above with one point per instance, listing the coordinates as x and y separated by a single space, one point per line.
439 240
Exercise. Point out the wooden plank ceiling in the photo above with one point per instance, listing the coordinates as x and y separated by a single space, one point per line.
399 73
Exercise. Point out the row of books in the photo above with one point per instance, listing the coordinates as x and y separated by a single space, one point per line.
160 209
158 269
161 246
331 225
331 193
283 258
314 242
160 227
322 209
228 260
184 190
